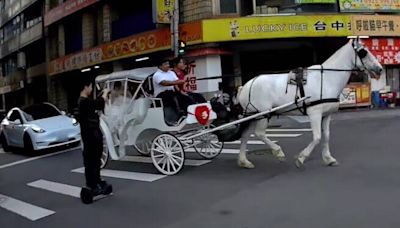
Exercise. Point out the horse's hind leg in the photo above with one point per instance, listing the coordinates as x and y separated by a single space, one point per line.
259 131
315 119
242 160
326 154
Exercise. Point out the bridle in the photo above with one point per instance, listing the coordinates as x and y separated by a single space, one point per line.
361 53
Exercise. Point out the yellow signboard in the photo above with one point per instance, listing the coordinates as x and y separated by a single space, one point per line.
276 27
164 10
369 5
376 25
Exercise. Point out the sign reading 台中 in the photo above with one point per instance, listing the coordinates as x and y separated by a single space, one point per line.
276 27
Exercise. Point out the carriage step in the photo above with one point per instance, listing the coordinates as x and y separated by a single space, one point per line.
188 162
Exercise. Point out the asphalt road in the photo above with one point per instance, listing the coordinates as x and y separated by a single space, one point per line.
363 191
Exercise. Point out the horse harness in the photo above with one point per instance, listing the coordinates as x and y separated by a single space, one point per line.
300 79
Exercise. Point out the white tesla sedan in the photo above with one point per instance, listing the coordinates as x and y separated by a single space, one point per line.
38 127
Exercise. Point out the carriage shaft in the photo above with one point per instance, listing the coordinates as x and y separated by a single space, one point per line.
244 119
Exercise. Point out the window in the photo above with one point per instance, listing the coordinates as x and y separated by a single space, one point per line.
40 111
14 116
226 6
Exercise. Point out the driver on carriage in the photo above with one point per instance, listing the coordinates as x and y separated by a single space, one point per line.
165 83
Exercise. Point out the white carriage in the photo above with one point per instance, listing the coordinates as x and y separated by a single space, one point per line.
133 117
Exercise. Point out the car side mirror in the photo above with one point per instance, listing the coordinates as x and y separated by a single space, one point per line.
17 122
63 113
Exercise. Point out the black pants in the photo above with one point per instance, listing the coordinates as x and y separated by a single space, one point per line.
92 151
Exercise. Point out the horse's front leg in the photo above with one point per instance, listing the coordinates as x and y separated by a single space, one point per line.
326 154
242 159
315 119
259 131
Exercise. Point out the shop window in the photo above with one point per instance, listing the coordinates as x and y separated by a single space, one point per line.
226 6
359 77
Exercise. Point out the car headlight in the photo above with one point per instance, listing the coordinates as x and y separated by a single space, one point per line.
74 122
37 129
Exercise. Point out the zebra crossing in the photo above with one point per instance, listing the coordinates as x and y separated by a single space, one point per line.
34 213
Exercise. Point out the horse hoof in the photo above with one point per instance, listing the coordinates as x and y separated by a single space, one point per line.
279 155
281 158
246 164
333 163
299 164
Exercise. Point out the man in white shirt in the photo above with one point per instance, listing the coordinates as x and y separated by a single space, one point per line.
164 82
165 79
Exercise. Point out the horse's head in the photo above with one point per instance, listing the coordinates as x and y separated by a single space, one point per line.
365 60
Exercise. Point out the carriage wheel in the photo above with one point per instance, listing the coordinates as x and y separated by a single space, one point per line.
208 146
104 154
143 148
167 154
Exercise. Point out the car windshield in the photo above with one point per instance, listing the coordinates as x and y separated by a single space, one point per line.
39 111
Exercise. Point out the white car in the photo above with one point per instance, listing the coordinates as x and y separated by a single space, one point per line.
38 127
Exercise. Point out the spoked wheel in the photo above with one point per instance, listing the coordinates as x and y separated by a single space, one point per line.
143 147
104 155
167 154
208 146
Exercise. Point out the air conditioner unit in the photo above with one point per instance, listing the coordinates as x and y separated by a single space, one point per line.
21 60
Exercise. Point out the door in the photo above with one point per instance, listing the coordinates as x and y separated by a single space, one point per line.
15 130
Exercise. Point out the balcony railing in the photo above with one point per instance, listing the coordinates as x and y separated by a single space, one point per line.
14 9
19 41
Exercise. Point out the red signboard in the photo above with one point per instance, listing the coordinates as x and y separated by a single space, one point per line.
137 44
386 50
65 9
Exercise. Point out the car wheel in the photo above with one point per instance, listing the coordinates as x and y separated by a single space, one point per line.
4 143
28 146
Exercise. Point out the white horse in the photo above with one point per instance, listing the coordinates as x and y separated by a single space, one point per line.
324 84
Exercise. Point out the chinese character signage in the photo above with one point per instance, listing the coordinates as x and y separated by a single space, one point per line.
276 27
369 5
386 50
163 11
375 25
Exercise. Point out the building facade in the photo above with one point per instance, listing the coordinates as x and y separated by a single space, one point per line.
22 53
234 39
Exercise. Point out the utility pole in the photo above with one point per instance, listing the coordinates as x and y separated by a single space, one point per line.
175 28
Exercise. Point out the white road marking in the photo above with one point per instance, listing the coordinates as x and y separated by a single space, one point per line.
141 159
34 158
289 130
64 189
250 142
224 151
147 177
280 135
26 210
300 119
